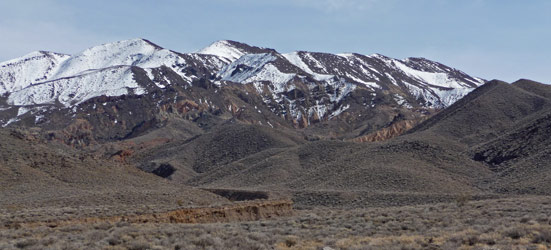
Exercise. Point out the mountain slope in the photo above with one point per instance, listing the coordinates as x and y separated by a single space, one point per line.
496 139
112 81
521 156
37 174
406 167
484 114
316 91
230 51
37 66
505 127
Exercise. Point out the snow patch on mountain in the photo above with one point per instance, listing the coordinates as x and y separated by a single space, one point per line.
19 73
156 81
357 72
450 96
39 67
223 49
295 59
114 81
338 111
256 68
438 98
342 89
135 52
211 62
433 78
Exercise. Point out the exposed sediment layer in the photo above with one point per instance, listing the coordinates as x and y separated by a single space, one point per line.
242 211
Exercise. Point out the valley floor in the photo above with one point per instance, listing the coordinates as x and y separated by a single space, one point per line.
522 222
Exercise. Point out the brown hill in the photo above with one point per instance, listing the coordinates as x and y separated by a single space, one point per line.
504 126
404 166
37 174
521 156
484 114
223 145
240 156
435 157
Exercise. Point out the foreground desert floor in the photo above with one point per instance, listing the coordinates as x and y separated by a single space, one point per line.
507 223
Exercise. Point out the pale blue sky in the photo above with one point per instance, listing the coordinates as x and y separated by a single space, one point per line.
501 39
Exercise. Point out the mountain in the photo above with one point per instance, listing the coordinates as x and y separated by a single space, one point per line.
105 70
494 141
106 86
351 128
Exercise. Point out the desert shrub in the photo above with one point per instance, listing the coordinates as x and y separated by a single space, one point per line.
242 243
26 243
204 241
291 241
96 235
256 236
489 239
122 224
515 233
138 245
114 240
524 220
542 237
462 199
103 226
542 219
472 240
73 228
46 241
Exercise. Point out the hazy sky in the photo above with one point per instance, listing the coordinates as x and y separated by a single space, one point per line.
501 39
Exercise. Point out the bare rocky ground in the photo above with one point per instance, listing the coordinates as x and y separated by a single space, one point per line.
507 223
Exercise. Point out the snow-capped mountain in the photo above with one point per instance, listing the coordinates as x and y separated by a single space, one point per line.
301 88
230 51
35 67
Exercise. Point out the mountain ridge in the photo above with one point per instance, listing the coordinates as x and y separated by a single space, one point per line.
300 89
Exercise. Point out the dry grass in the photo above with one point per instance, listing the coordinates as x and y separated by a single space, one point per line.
513 223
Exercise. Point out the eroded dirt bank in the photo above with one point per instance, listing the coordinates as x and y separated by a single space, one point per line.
242 211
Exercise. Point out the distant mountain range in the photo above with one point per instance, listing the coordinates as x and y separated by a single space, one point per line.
297 89
321 128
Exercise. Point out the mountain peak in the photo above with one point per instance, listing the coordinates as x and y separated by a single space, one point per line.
137 51
229 50
122 45
232 50
32 55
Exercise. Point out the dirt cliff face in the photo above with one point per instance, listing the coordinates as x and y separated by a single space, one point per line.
395 129
241 211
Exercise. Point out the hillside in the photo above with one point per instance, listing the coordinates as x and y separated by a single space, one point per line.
492 141
484 114
38 174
